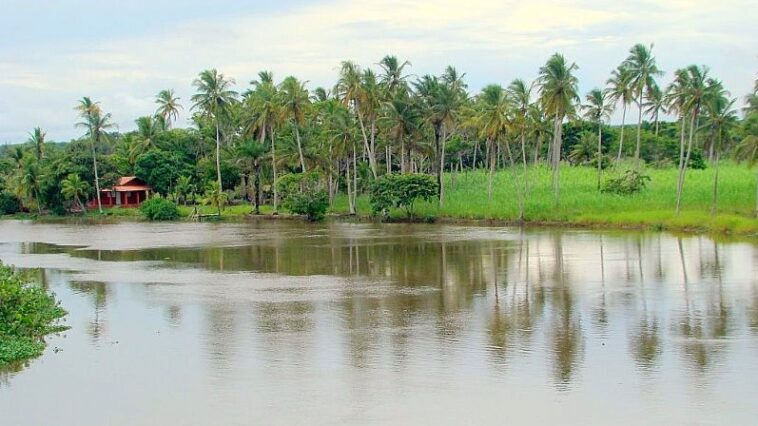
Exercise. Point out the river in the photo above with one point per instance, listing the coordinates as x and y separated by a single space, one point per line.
281 322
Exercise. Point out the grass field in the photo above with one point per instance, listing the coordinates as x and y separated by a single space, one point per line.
582 204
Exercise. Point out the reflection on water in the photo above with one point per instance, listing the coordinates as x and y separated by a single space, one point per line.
390 324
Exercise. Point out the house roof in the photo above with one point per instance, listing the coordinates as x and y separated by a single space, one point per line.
128 183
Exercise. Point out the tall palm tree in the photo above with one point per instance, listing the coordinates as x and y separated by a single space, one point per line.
747 150
620 89
168 106
74 188
251 152
37 139
95 123
350 88
641 65
148 129
214 99
295 101
371 103
392 74
520 95
720 118
492 107
558 96
596 110
695 94
266 110
29 181
676 101
401 117
655 103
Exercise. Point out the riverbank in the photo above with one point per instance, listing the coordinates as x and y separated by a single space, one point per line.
581 204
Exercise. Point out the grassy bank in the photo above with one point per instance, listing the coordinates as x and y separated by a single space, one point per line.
582 204
27 314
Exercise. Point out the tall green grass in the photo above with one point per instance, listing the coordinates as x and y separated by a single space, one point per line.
581 203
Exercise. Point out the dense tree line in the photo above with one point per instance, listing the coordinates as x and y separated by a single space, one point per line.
380 120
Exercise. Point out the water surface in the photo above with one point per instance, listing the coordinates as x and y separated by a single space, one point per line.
278 322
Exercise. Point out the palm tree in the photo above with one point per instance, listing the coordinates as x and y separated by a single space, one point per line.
168 106
266 107
184 188
641 64
520 95
655 104
371 103
596 110
695 93
350 88
215 196
392 77
252 153
401 117
30 181
676 100
558 96
720 118
37 138
214 99
74 188
96 123
621 89
295 102
148 129
747 150
492 106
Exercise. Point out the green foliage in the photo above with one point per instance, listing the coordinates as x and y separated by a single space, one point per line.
697 161
402 191
27 313
159 169
8 204
303 194
631 182
158 208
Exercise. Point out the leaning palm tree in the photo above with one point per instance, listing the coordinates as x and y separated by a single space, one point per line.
95 123
558 96
168 106
695 94
37 139
74 188
596 110
214 99
641 65
620 89
295 101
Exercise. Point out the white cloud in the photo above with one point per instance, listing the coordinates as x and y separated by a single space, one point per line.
493 41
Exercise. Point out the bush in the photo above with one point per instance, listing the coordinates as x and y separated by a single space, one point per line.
27 313
303 194
401 191
629 183
158 208
8 204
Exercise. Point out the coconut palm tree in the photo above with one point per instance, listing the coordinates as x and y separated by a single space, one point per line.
265 105
74 188
491 118
620 89
402 119
520 95
37 139
392 77
676 101
214 99
655 103
695 93
95 123
295 103
215 196
148 129
747 150
558 96
720 118
184 188
251 152
641 64
168 106
596 110
29 181
371 103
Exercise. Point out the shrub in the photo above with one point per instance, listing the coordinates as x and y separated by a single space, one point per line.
8 204
27 313
158 208
629 183
303 194
401 191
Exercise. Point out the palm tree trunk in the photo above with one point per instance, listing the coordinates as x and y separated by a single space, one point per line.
218 156
557 160
350 204
680 178
355 179
656 123
97 178
372 151
257 187
442 166
693 124
639 132
523 161
493 161
402 155
388 157
756 193
476 148
714 204
273 169
599 152
537 147
621 136
299 148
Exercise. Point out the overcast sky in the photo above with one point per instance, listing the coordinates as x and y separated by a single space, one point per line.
122 53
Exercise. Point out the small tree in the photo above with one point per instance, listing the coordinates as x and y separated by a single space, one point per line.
215 197
74 188
402 191
304 194
158 208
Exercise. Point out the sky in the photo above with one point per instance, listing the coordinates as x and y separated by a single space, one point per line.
54 52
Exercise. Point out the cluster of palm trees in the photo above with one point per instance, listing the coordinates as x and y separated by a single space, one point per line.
375 122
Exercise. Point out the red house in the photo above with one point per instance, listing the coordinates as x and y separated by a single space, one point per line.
128 191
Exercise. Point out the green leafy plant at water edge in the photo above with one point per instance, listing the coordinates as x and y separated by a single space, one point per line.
158 208
304 195
27 314
631 182
401 191
8 204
